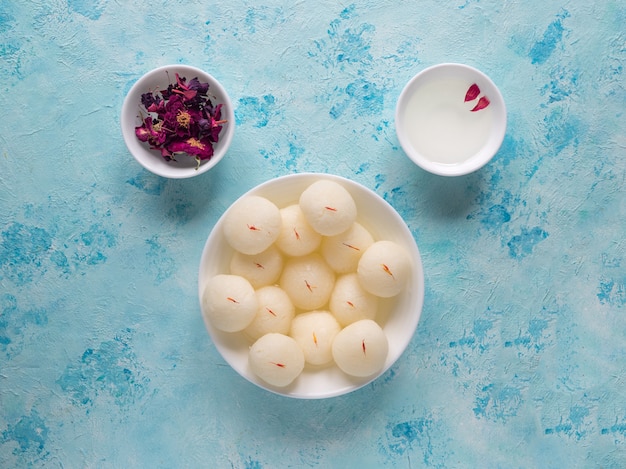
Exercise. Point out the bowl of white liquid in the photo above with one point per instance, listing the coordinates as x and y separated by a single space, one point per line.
450 119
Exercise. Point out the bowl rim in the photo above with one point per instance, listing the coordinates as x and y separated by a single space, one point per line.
150 159
414 298
497 135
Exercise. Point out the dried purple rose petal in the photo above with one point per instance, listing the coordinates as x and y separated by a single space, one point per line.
192 146
147 99
157 106
151 132
195 84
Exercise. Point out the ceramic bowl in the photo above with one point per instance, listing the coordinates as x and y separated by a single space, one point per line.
185 166
398 316
450 119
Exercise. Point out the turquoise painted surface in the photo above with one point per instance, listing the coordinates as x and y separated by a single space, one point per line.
520 357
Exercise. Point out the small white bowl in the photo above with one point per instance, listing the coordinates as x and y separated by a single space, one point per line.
185 166
440 130
397 316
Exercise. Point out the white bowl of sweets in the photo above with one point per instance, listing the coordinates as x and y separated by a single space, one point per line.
311 285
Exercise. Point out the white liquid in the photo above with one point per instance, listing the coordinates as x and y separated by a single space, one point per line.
441 126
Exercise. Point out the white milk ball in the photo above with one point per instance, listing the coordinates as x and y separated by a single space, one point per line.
384 269
274 314
343 251
259 269
276 358
297 237
349 302
229 302
314 332
328 207
361 348
308 281
252 224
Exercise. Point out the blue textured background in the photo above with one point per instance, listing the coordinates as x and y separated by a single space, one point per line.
519 359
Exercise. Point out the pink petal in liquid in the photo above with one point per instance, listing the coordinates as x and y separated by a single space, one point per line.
483 102
472 93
